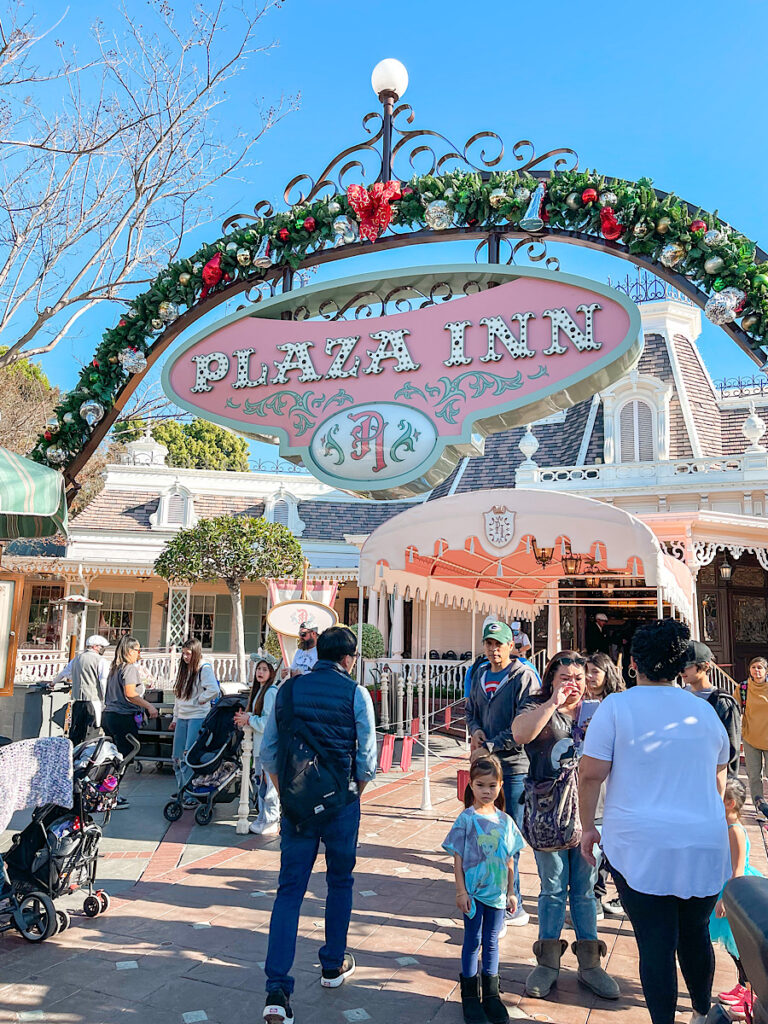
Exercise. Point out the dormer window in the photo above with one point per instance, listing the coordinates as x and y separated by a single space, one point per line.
175 510
282 508
636 419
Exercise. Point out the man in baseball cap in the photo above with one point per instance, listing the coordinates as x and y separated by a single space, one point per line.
498 685
88 671
696 677
306 656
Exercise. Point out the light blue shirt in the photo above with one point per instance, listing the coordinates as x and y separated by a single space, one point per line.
365 725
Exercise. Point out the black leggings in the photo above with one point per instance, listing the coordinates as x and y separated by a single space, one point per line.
83 719
119 727
740 968
665 926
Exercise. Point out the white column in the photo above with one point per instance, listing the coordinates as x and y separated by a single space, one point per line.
554 641
245 782
383 623
373 607
474 631
397 627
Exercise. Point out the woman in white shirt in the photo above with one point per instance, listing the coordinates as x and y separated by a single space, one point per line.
195 688
261 702
664 753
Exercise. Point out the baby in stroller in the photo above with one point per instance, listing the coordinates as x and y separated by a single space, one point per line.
58 850
214 758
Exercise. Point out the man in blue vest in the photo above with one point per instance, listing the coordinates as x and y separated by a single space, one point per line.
500 682
335 716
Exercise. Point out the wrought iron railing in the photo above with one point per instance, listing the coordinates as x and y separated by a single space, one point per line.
742 387
645 287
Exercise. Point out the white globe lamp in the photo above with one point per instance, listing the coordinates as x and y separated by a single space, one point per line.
389 77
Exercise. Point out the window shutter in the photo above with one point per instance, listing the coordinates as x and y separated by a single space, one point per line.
176 508
636 432
252 612
280 512
222 624
644 432
92 614
142 616
627 432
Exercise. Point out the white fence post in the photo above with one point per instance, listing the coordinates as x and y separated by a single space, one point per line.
385 679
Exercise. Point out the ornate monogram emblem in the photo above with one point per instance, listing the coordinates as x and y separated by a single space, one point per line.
499 526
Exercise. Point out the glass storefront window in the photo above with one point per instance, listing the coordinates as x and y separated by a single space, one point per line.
710 619
44 624
202 609
116 615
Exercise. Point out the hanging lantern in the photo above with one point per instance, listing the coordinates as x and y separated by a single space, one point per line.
542 555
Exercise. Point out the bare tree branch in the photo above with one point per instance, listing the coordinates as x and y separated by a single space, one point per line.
96 194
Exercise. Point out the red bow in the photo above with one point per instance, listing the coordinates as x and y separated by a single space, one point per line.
373 206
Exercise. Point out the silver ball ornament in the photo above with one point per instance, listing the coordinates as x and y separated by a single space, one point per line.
56 455
497 197
722 307
438 215
345 230
608 199
167 311
52 424
232 247
573 201
712 237
132 360
334 208
641 229
68 417
244 257
197 267
714 264
522 194
671 254
92 412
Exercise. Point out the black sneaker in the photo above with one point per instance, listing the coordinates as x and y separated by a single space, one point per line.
122 804
613 907
277 1009
762 805
334 978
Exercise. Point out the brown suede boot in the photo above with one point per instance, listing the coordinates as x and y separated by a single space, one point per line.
591 974
541 979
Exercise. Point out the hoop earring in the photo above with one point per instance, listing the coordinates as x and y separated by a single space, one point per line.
631 672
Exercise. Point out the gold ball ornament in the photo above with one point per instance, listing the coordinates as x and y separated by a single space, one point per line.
438 215
714 264
671 254
244 257
641 229
184 278
497 197
663 224
750 321
157 325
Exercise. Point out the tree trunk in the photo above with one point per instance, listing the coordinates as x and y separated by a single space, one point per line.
237 608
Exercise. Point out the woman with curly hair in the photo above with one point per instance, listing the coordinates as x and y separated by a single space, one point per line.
664 753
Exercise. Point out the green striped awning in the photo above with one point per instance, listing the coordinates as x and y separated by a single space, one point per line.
32 499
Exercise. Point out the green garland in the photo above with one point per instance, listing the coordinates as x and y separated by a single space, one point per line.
648 225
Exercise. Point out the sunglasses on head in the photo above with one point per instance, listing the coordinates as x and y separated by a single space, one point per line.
572 661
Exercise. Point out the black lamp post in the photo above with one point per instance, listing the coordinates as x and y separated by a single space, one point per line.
389 80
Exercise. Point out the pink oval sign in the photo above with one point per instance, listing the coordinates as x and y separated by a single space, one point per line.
385 407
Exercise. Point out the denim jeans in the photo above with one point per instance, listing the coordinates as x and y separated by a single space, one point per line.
269 801
184 736
298 852
514 786
484 926
566 873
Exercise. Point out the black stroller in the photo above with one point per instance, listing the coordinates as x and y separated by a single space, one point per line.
58 851
214 758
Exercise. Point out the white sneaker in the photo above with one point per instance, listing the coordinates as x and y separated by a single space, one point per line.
263 830
519 919
503 931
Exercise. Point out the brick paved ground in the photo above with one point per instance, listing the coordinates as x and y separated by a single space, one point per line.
186 938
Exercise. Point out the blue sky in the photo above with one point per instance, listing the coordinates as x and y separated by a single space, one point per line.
672 91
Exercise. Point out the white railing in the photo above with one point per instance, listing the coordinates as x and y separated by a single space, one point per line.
401 688
720 679
727 468
161 666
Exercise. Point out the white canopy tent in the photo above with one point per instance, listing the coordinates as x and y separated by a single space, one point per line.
486 551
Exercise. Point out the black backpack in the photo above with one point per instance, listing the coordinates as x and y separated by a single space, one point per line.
314 785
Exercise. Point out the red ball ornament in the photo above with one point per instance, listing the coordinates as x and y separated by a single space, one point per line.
310 223
407 191
95 362
589 195
122 323
698 225
283 234
48 435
